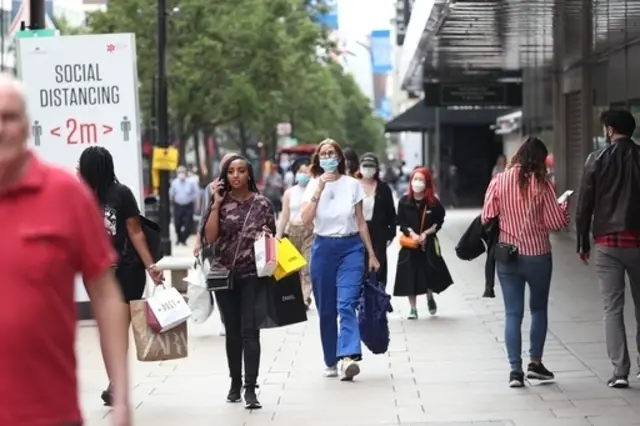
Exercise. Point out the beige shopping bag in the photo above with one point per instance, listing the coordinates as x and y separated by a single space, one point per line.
151 346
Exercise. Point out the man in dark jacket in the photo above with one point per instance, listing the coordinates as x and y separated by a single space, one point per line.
609 206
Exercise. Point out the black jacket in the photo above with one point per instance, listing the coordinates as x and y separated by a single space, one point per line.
409 216
383 221
609 199
477 239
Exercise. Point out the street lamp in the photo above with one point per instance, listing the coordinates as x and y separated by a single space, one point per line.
162 117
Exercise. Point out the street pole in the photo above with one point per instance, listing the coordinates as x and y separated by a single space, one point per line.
36 15
162 125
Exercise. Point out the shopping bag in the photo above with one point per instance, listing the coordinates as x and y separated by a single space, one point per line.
279 304
289 259
166 308
152 346
264 249
199 299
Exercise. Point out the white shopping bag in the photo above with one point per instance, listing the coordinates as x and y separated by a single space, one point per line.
166 309
200 299
264 249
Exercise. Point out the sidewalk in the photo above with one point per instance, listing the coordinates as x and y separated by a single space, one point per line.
450 369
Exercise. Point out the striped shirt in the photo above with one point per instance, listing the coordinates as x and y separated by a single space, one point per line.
524 221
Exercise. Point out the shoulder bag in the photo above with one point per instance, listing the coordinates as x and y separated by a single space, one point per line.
505 252
406 241
222 278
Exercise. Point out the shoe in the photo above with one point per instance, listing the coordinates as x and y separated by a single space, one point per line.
349 369
235 392
618 382
433 307
413 314
539 372
250 398
331 371
489 293
516 379
107 397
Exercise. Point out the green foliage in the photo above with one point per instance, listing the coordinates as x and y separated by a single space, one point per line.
251 60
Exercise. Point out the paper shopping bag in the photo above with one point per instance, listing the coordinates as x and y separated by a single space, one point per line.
279 304
289 259
152 346
264 249
166 308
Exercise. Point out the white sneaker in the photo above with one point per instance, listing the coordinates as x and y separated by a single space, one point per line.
331 371
349 369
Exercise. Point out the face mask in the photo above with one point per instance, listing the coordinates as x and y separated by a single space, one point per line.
329 165
368 172
417 185
182 175
302 178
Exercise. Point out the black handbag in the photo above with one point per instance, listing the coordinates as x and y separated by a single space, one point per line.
222 278
505 252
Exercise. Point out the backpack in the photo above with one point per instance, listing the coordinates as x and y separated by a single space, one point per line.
374 305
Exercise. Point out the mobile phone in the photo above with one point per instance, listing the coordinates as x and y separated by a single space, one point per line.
564 197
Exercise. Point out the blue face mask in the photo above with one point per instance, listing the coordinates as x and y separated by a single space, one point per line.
302 178
329 164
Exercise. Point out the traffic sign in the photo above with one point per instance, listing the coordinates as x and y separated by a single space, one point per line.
164 159
83 91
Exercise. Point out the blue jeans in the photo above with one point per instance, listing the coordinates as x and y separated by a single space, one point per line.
536 271
337 271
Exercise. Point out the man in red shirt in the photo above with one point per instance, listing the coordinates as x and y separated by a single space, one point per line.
51 231
609 207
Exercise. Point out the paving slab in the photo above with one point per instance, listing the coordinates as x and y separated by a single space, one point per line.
449 369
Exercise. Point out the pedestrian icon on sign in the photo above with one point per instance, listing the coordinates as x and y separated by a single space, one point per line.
36 131
125 126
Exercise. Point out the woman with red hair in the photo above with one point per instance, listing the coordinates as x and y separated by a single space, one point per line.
421 268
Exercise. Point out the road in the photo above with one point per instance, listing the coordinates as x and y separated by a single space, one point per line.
450 369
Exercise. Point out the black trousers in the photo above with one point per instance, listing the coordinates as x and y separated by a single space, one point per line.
380 248
238 308
183 220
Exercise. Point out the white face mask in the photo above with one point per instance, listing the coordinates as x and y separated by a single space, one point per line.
417 185
367 172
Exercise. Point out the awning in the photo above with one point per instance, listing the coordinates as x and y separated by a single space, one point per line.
420 118
412 120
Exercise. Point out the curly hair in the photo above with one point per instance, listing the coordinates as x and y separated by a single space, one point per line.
531 157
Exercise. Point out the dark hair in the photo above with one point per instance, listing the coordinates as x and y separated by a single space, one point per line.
531 157
621 121
352 161
225 170
316 170
96 168
299 162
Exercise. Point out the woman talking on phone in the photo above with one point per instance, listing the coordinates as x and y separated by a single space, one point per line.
333 203
524 200
239 214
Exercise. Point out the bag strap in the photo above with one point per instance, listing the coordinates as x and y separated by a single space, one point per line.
424 217
235 256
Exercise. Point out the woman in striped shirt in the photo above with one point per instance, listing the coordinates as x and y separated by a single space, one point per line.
524 200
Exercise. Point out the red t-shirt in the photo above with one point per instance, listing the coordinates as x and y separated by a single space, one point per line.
51 231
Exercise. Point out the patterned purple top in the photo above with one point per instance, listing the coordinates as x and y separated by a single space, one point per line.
232 216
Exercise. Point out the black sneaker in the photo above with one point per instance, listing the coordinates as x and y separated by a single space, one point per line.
618 382
516 379
235 392
489 292
250 398
539 372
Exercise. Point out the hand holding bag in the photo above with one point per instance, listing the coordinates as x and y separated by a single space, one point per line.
406 241
222 278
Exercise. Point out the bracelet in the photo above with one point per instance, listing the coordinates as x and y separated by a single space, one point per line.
148 268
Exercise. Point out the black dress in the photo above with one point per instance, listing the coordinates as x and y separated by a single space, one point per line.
421 269
382 228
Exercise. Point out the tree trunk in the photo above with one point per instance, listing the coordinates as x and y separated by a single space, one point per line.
196 147
243 138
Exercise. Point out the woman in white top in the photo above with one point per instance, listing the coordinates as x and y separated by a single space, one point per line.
300 234
379 210
333 203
